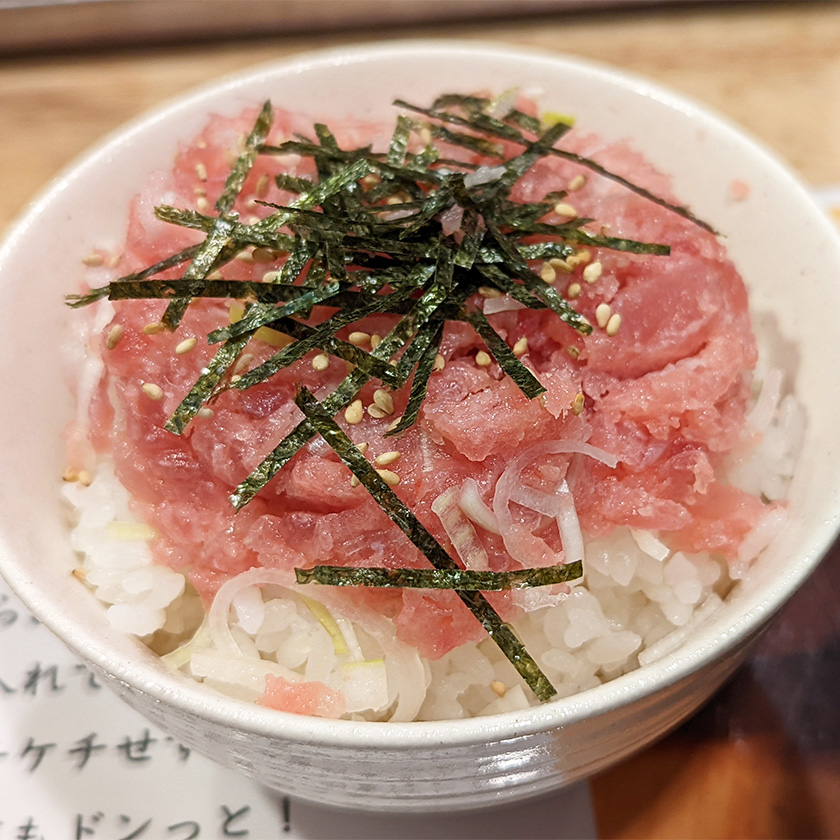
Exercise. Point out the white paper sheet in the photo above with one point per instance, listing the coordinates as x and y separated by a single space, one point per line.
76 763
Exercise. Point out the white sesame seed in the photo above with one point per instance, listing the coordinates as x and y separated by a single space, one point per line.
204 411
439 363
199 191
93 260
498 687
603 311
263 255
243 362
614 324
390 478
547 272
215 275
70 474
362 446
387 458
573 351
375 341
395 422
153 328
577 183
565 210
384 400
376 412
201 171
245 256
186 345
426 135
152 391
482 359
560 265
489 292
354 481
577 403
358 338
573 291
270 276
321 362
354 412
592 272
521 346
85 478
114 336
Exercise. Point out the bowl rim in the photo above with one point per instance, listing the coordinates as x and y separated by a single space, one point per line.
194 699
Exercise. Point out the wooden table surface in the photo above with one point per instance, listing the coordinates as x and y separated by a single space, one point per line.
763 758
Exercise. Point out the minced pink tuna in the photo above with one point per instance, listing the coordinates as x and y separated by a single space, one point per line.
662 383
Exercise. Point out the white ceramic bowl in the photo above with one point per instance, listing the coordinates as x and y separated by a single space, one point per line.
785 248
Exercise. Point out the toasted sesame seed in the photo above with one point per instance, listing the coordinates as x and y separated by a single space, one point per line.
387 458
425 135
93 260
560 265
370 179
354 412
152 391
376 412
199 191
186 345
235 378
577 183
394 199
321 362
592 272
603 311
263 255
362 446
482 359
204 411
354 481
390 478
395 422
114 336
201 203
439 363
358 338
114 260
573 291
498 688
384 400
614 324
548 274
84 478
577 403
154 328
566 210
80 573
262 185
521 346
573 351
215 275
375 341
243 362
489 292
201 171
270 276
245 256
70 474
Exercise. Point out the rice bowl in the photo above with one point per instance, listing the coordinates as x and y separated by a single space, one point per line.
648 701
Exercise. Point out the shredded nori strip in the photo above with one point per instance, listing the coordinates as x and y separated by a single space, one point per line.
461 579
410 525
363 237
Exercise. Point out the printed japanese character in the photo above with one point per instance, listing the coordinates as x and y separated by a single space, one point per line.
38 751
36 675
84 749
230 817
83 830
137 832
183 752
27 831
193 827
91 680
8 616
137 750
6 689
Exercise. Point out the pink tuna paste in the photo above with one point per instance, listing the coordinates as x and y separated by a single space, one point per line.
665 391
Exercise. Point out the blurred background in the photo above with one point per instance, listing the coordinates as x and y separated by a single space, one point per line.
763 758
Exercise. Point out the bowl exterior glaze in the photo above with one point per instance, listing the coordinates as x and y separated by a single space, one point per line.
453 764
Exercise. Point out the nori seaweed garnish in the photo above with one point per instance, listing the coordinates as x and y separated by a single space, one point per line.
364 236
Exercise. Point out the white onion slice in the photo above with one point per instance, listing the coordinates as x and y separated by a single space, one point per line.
474 507
460 531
